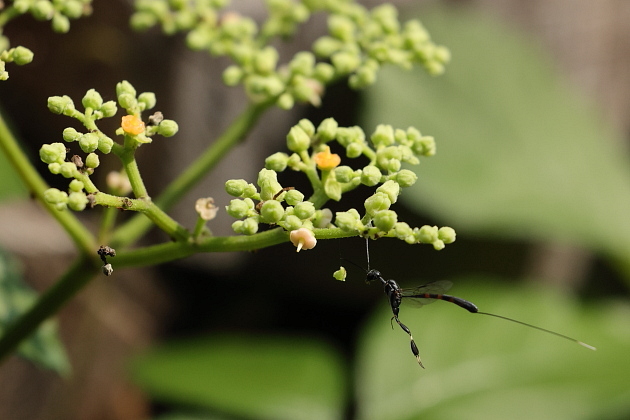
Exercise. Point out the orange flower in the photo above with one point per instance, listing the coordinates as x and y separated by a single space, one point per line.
326 160
132 125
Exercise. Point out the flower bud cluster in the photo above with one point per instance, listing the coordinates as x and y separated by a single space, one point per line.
358 43
58 12
272 204
17 55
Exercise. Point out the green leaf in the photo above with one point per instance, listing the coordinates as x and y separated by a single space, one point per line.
43 347
480 367
264 378
11 186
520 155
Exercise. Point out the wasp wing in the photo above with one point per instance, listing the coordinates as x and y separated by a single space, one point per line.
413 295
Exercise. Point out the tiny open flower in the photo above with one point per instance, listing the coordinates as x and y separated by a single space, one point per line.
326 160
132 125
303 239
206 208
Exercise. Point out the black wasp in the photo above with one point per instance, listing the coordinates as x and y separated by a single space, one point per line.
431 292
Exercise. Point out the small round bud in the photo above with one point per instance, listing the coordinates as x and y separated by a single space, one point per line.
406 178
291 222
73 9
77 201
92 99
348 220
404 231
391 188
92 161
21 6
340 274
238 208
70 134
322 218
447 234
265 60
385 220
344 173
68 169
286 101
54 168
371 176
105 144
51 153
60 23
147 99
232 75
277 162
293 197
249 226
109 109
427 234
268 183
127 101
298 140
55 196
42 10
59 104
303 239
22 56
235 187
377 202
304 210
307 126
324 72
327 130
168 128
125 87
272 211
76 185
89 142
354 150
345 62
383 135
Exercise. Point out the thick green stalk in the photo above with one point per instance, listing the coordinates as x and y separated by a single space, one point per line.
236 132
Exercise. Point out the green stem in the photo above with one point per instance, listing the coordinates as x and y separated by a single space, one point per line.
138 225
81 237
128 158
49 303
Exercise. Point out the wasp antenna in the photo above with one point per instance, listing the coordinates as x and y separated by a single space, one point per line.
588 346
367 252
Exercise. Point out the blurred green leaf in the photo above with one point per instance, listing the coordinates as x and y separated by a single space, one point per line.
43 347
479 367
520 155
264 378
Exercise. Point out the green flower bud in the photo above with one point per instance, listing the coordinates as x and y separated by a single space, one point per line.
297 139
277 162
322 218
250 191
54 168
92 161
59 104
51 153
89 142
293 197
391 188
125 87
68 169
70 134
354 150
403 231
304 210
344 174
268 183
388 157
385 220
92 99
105 144
424 146
76 185
340 274
141 21
324 72
127 101
327 46
265 60
168 128
21 6
327 130
249 226
147 99
235 187
446 234
109 109
232 75
345 62
294 162
348 220
364 76
341 27
77 201
285 101
54 196
307 126
272 211
22 56
371 176
406 178
377 202
238 208
60 23
73 9
383 135
292 222
42 10
427 234
348 135
302 63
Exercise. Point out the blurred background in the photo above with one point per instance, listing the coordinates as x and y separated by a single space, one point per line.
531 122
